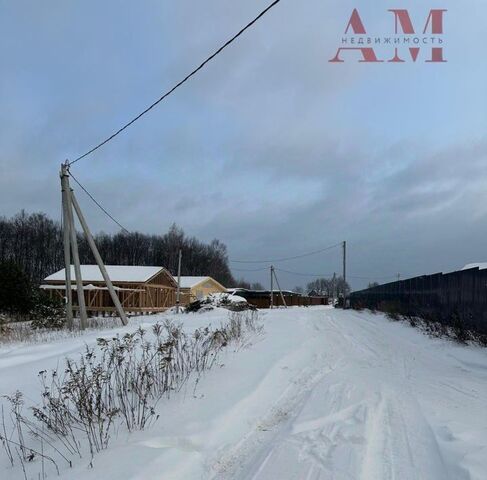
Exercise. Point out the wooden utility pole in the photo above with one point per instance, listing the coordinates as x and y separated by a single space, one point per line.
67 245
178 291
279 287
272 287
74 248
71 249
344 274
80 294
99 261
334 287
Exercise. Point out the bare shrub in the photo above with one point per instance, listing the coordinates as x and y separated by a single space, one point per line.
391 309
23 332
119 382
16 439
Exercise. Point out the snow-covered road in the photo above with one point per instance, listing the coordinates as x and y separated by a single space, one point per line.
324 394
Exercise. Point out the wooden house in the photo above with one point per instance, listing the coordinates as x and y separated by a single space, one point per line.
140 289
195 288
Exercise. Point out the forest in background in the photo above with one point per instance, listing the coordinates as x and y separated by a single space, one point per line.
34 242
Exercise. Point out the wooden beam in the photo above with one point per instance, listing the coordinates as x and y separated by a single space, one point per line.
150 296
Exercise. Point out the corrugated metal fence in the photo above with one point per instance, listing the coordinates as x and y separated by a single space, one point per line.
442 297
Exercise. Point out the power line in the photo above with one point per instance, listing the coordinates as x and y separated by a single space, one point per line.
98 204
329 275
305 274
287 258
250 270
185 79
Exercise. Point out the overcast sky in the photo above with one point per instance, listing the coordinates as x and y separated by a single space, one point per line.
271 149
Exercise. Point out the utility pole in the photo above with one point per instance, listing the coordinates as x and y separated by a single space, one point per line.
77 266
344 274
71 247
74 248
67 246
279 287
272 287
178 291
334 287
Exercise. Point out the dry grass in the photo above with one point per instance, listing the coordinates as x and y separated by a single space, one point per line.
21 332
118 383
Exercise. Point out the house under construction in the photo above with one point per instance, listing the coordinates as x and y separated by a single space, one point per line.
140 289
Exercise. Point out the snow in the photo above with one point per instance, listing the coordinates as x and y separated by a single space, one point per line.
225 297
117 273
481 266
87 287
324 394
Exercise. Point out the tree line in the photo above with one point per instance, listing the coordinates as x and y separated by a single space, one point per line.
331 287
34 242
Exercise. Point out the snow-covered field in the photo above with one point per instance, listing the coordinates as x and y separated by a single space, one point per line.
323 394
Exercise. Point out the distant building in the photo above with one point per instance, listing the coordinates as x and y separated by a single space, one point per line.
262 298
140 289
195 288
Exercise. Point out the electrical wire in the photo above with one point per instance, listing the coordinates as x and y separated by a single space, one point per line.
185 79
325 275
250 270
98 203
288 258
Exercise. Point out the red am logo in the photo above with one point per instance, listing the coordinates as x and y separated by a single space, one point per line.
404 45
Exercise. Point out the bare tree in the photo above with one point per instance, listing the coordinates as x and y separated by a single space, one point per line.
34 243
329 287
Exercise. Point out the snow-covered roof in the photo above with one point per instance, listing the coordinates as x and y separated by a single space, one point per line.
276 291
481 266
190 282
88 287
117 273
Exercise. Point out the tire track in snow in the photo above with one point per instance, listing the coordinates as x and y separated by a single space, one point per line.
247 457
368 428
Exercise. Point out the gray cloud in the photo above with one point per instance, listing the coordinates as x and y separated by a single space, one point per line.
271 149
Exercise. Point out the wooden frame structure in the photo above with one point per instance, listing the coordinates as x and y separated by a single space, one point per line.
156 293
196 287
